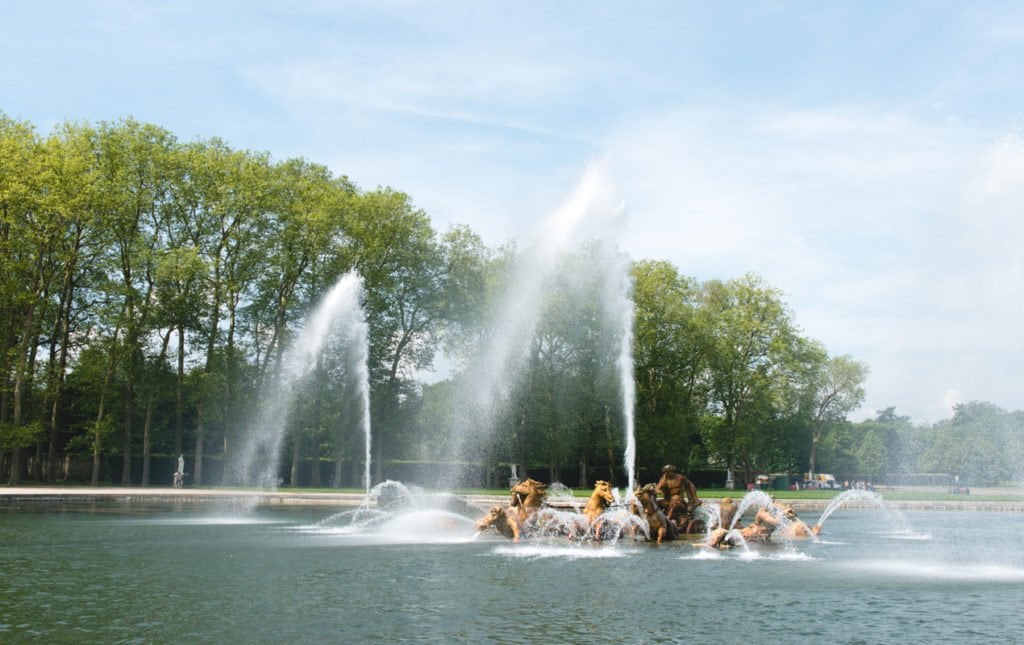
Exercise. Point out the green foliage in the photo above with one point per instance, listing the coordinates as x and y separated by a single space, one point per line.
117 240
23 436
981 444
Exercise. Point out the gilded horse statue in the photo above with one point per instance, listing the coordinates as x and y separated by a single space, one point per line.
600 499
504 521
659 527
527 498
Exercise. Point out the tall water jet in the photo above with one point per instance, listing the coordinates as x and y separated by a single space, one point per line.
338 318
624 304
592 213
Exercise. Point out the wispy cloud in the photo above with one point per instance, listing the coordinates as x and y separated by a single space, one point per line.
869 220
861 157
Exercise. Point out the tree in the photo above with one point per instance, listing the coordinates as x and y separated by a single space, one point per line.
672 345
135 180
225 199
27 241
751 330
70 174
311 209
837 390
980 443
393 247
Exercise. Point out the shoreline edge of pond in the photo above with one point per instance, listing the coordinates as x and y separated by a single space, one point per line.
10 495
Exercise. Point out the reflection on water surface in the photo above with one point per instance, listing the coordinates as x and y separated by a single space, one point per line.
103 573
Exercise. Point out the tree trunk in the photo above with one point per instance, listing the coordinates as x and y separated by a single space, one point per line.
229 381
314 477
20 378
296 456
64 325
815 434
179 389
148 423
98 428
129 420
15 476
336 482
37 462
146 429
197 465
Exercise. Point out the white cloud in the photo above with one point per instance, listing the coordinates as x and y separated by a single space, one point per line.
950 400
868 220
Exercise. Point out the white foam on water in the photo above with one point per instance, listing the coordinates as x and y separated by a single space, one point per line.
908 535
413 527
228 520
749 555
703 554
567 552
938 571
791 555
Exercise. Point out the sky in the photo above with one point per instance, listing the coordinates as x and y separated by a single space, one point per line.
866 157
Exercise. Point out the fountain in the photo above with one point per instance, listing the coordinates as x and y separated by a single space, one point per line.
773 522
391 509
755 499
857 497
393 512
849 497
337 319
591 212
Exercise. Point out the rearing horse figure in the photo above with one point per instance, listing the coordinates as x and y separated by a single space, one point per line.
527 497
658 525
503 520
599 500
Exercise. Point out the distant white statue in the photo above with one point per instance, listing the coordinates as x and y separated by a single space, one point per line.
179 476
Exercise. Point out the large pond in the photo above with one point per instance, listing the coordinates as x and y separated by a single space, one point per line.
106 572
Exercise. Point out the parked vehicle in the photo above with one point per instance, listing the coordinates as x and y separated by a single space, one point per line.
821 481
958 487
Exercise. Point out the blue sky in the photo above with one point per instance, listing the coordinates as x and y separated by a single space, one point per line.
864 157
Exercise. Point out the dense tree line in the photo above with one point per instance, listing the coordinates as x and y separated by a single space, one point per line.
149 288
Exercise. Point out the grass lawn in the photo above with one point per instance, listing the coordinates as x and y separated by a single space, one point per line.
1013 493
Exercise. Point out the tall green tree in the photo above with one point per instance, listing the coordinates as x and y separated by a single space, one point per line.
311 210
672 346
224 199
394 248
28 234
752 330
70 174
980 443
135 179
838 390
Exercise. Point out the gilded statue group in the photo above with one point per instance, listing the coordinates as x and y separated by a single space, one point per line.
668 510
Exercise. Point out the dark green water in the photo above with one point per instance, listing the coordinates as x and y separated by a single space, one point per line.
130 573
